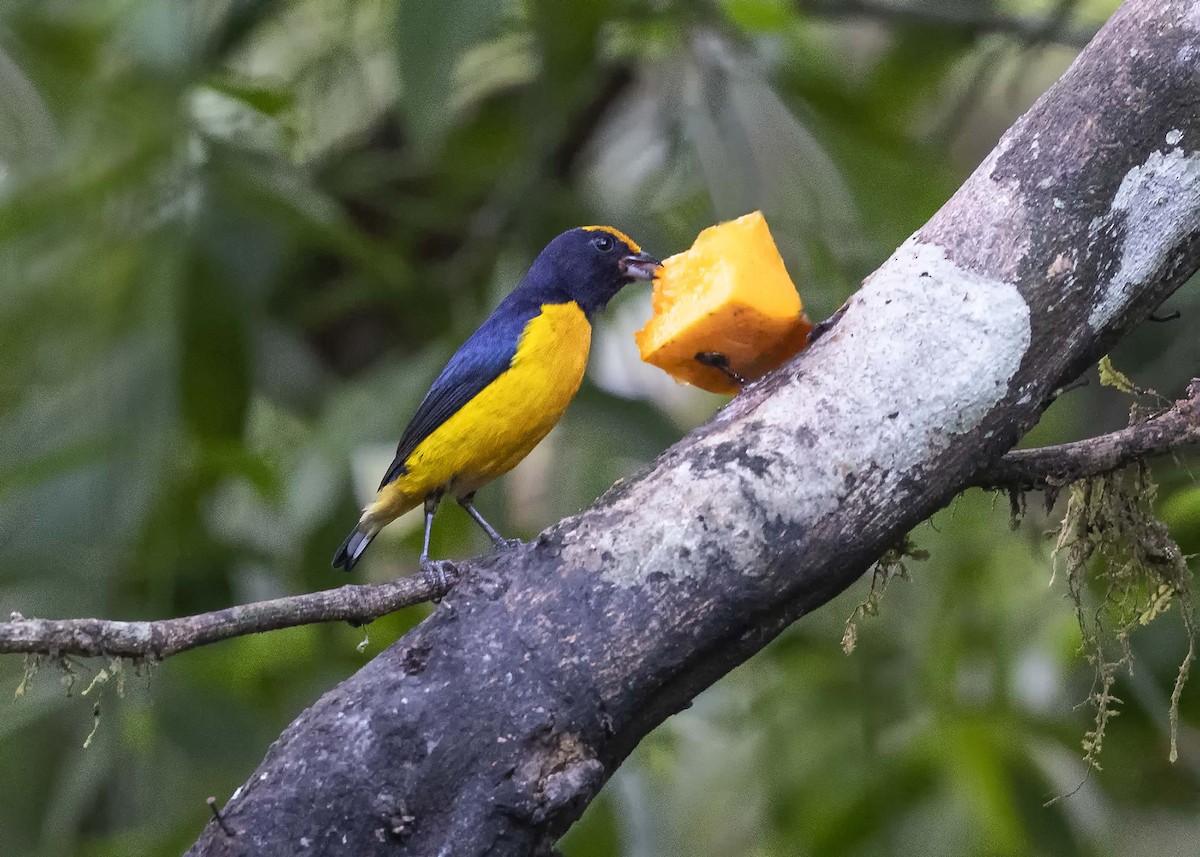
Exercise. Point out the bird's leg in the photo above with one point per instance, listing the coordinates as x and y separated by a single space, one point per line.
431 504
717 360
497 540
434 570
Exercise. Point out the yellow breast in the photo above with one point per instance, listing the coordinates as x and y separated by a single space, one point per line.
490 434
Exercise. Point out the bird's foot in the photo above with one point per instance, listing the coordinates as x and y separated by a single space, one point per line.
717 360
435 573
503 544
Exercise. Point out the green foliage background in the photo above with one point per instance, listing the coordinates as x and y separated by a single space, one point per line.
237 237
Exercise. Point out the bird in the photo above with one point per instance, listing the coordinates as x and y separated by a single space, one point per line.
505 387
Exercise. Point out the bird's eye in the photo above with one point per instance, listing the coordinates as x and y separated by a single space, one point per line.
603 242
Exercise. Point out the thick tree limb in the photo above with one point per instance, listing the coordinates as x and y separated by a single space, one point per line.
490 726
160 639
1026 469
1055 466
965 17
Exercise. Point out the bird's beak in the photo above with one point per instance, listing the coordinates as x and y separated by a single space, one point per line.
640 266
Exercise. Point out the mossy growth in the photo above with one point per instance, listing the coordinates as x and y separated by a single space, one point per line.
1111 376
69 675
887 568
1111 538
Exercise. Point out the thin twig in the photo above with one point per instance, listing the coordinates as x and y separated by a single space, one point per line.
1055 466
219 818
1171 316
165 637
1022 27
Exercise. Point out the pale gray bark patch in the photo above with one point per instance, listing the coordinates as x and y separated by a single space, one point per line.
1159 203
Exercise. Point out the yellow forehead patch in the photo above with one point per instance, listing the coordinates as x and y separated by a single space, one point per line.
615 233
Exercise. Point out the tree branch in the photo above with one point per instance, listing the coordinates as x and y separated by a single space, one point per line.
1055 466
966 18
165 637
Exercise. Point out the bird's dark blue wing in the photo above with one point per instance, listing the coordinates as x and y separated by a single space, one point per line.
479 362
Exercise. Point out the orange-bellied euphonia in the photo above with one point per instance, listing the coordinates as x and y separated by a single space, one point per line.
506 387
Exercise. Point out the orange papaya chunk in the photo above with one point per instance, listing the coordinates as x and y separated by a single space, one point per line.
730 296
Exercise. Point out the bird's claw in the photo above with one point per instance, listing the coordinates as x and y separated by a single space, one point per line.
434 571
717 360
507 544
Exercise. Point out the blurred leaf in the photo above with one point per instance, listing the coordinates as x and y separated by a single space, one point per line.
434 35
263 97
912 67
1182 510
568 43
596 834
214 375
759 16
27 133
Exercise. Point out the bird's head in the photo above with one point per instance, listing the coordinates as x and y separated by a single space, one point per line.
590 264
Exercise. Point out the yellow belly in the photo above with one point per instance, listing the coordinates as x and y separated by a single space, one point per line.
490 434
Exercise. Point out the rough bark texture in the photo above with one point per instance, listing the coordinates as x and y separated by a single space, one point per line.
488 728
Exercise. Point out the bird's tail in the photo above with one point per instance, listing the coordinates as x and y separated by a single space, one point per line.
354 545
